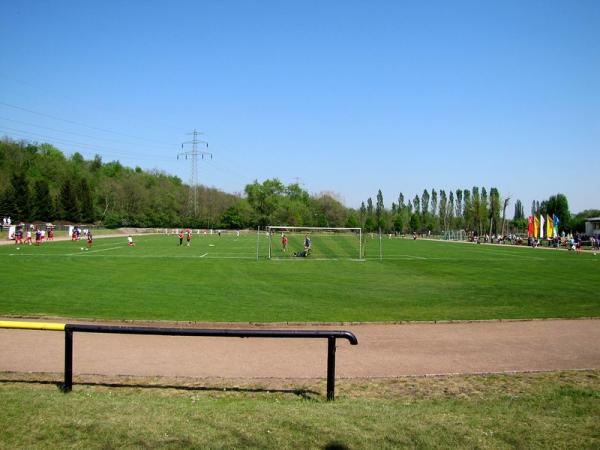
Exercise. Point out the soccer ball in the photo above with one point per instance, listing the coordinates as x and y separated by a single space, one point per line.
18 248
81 248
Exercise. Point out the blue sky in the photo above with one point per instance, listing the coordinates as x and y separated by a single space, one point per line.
349 96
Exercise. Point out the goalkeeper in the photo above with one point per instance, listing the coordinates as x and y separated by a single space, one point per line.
307 245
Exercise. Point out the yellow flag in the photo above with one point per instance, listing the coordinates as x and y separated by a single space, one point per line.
536 227
549 226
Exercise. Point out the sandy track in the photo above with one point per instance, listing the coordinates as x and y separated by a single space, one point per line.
383 351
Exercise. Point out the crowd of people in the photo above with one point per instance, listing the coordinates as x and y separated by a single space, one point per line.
24 234
569 241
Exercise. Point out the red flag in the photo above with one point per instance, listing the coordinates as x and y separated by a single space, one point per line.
530 226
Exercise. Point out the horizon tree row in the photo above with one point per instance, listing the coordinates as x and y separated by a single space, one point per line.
39 183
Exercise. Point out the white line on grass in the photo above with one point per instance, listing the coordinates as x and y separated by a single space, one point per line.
95 251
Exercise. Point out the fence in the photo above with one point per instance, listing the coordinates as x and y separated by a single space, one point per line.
70 329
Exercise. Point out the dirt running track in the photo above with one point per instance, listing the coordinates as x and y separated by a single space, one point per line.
383 351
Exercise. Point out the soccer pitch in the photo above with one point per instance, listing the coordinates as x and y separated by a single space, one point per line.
220 279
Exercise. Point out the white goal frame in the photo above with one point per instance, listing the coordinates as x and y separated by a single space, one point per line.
283 228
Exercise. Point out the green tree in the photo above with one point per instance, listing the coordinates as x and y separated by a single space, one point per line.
519 211
352 221
459 208
483 211
475 200
443 210
369 207
415 222
468 211
450 209
494 211
21 202
362 213
69 208
425 202
379 208
558 205
42 205
399 223
401 204
232 218
9 206
84 195
264 198
416 205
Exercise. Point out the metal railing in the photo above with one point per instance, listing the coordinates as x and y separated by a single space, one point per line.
70 329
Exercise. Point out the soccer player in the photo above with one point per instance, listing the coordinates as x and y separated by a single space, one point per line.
28 237
181 237
38 237
19 236
284 242
307 244
188 237
90 239
130 242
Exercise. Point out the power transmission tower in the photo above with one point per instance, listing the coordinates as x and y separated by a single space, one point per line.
193 155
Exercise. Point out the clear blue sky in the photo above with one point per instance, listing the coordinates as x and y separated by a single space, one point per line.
349 96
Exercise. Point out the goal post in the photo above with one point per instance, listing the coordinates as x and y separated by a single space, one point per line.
325 242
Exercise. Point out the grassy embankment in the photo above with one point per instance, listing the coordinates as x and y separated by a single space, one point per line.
560 410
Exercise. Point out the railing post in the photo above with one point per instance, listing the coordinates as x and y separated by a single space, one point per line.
330 368
68 384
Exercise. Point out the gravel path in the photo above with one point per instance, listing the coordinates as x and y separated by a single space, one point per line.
383 351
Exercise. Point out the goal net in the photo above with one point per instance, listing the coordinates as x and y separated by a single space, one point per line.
324 243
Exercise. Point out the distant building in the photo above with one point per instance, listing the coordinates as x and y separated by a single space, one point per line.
592 226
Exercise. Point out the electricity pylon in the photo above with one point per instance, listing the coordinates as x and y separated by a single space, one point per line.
193 155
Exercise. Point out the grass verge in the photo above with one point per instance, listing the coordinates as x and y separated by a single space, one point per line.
541 410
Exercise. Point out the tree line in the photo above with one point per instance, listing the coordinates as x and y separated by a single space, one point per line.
39 183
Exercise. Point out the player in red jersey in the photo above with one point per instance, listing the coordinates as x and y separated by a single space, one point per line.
284 242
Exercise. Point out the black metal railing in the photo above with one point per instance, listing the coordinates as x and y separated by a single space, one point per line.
331 337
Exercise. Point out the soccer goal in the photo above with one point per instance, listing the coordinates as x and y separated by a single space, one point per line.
454 235
325 243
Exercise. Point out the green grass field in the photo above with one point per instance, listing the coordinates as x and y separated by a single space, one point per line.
544 411
220 279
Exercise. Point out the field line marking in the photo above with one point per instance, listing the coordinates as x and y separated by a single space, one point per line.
95 251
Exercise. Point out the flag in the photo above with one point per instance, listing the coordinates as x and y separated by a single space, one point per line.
536 227
530 226
555 220
549 227
542 223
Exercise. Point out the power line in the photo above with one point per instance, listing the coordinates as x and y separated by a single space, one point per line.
77 123
94 147
73 133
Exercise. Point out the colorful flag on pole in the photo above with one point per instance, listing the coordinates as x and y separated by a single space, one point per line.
555 220
530 226
549 227
542 225
536 227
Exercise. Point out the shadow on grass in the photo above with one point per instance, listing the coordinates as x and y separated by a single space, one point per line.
306 394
